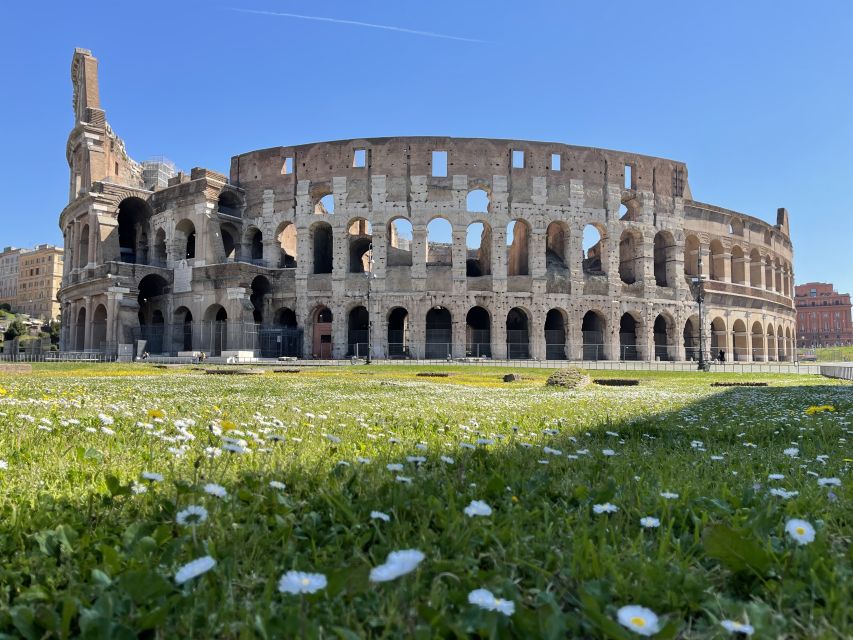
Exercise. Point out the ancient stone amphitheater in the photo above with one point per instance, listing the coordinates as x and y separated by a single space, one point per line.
413 247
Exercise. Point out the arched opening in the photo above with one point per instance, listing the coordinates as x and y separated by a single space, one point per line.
360 243
215 336
399 243
630 262
358 332
768 274
736 227
771 343
439 333
758 354
556 246
185 240
517 335
517 245
754 268
629 210
691 256
718 339
662 331
152 289
80 330
286 238
321 240
182 327
691 338
738 266
398 333
285 317
99 328
259 297
477 201
777 273
133 216
592 329
628 337
229 204
555 335
478 246
321 343
789 347
256 247
740 341
594 258
717 258
439 243
160 255
282 337
325 205
229 242
83 252
478 333
664 257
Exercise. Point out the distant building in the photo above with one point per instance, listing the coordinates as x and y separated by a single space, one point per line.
9 275
823 316
39 279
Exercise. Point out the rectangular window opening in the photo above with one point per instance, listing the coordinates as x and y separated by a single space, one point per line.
359 159
287 167
439 164
628 177
555 162
517 159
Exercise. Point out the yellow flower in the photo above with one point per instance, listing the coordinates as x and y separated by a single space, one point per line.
155 413
3 391
515 499
819 409
227 425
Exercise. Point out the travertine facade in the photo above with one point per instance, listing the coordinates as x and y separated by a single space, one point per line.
282 245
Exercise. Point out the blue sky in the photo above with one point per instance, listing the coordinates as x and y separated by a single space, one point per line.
756 97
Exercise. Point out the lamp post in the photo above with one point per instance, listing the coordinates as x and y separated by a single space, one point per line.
700 298
369 314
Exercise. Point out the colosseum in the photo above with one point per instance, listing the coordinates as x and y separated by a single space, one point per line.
412 247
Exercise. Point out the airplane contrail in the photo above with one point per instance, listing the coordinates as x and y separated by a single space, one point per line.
428 34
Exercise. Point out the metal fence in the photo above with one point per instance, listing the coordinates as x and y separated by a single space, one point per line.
270 341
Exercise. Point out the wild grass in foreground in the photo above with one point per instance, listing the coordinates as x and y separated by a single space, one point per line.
367 502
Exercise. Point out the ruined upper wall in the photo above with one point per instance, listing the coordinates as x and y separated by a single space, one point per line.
480 159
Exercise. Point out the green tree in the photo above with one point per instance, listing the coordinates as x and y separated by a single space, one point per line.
14 330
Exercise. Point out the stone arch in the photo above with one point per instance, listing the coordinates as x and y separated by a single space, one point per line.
322 242
593 328
518 244
770 342
324 203
134 215
439 242
478 249
630 256
398 333
717 269
663 331
594 245
740 341
692 251
757 343
151 288
664 259
789 347
557 246
80 330
99 328
738 265
477 201
83 248
182 329
777 276
690 336
358 331
321 333
285 317
629 324
768 273
399 246
718 337
478 333
629 209
185 239
439 333
215 329
285 236
229 203
518 334
781 347
230 244
254 239
754 268
260 297
556 321
160 253
360 237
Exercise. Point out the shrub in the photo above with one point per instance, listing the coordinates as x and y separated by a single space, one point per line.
568 378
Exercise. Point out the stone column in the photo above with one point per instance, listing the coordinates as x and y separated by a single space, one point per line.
536 334
498 332
459 326
459 255
272 252
93 243
726 276
87 339
499 259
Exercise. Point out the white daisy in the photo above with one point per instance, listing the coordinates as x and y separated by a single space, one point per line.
638 619
404 479
138 488
605 508
669 495
153 477
776 476
800 530
649 522
192 515
297 582
275 484
194 569
478 508
791 452
732 626
216 490
398 563
394 466
447 459
829 482
608 452
4 464
378 515
485 599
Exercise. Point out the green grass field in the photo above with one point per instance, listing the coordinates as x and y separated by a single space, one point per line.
92 549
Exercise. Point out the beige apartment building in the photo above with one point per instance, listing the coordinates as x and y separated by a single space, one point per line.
39 280
9 275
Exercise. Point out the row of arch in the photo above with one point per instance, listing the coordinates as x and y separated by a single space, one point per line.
737 267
